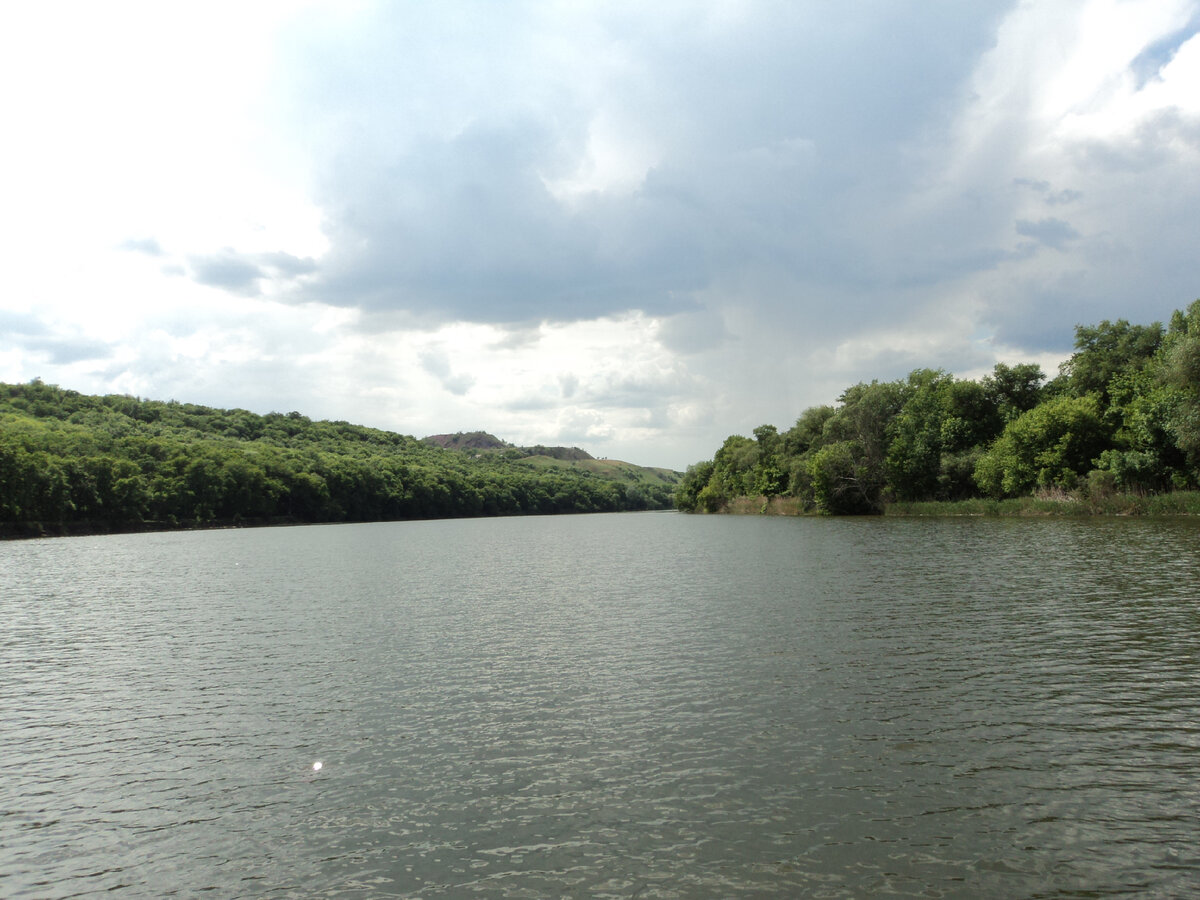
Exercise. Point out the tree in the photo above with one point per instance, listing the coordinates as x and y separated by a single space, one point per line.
936 433
842 482
809 431
768 476
733 466
1052 444
1106 350
1181 372
1014 389
861 423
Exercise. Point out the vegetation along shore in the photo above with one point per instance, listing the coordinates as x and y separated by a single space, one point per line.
1117 431
71 463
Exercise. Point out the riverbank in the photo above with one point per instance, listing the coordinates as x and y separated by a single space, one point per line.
12 531
1177 503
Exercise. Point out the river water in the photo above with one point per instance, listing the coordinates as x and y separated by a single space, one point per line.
640 705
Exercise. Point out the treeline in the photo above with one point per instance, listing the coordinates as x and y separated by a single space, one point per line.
72 462
1123 414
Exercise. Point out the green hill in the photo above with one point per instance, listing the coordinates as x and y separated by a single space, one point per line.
75 463
564 459
610 469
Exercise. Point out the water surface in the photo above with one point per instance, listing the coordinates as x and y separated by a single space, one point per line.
635 705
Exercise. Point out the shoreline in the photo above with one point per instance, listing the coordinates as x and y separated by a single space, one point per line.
1059 504
29 531
23 531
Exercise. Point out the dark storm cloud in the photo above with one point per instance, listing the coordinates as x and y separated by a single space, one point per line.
467 229
773 139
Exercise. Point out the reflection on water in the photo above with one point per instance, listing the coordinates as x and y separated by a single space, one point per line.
645 705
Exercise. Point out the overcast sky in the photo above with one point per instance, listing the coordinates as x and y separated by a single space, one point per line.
636 228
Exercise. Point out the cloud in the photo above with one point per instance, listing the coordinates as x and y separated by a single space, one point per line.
437 364
465 229
18 323
286 265
693 332
243 274
148 246
46 342
228 271
1045 191
581 426
1149 63
64 351
561 184
1051 232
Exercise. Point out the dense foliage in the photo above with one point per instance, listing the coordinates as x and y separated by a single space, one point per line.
69 461
1122 415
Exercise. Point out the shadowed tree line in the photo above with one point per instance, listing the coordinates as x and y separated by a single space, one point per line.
73 462
1123 414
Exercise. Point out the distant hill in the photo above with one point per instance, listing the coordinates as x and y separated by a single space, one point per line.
466 440
609 469
566 453
481 440
559 459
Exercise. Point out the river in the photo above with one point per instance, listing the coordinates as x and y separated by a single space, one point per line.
644 705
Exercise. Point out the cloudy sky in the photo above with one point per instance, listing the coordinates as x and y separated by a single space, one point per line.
632 227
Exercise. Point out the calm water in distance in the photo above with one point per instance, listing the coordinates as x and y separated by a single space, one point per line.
639 705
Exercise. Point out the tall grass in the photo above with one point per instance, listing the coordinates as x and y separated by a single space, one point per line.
1047 503
1176 503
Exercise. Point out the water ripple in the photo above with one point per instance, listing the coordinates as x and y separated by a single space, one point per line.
650 706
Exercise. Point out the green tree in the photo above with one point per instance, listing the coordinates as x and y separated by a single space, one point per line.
1013 390
695 480
733 467
935 435
1051 445
1180 372
842 482
861 424
768 478
1104 351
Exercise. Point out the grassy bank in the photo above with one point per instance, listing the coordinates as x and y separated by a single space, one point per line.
1178 503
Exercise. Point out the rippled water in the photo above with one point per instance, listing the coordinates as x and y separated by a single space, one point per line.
645 705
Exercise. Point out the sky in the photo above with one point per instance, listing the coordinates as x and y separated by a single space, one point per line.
634 228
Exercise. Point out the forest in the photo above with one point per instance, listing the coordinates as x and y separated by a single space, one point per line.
1122 416
74 463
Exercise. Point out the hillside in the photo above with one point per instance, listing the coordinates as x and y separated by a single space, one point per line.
470 440
611 469
74 463
567 459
